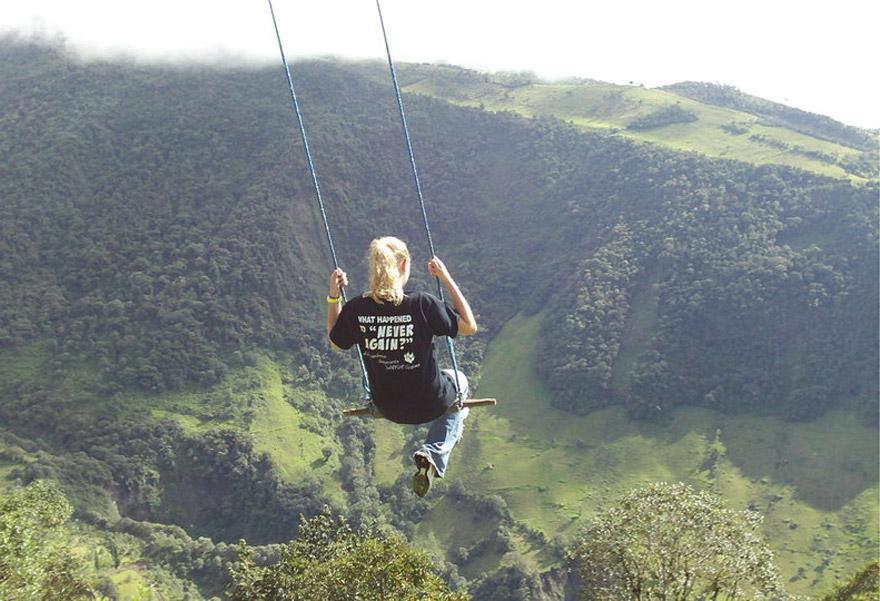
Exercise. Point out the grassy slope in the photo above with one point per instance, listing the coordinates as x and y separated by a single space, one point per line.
135 581
250 399
132 585
639 332
390 452
5 468
254 398
816 482
613 107
22 366
283 431
279 428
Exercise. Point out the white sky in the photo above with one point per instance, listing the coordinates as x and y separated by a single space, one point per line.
818 56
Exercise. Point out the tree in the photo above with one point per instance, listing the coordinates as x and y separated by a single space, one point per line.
34 563
864 586
332 561
671 542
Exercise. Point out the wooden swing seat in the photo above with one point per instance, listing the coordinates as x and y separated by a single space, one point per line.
468 403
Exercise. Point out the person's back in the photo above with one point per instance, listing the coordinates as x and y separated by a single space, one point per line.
395 332
398 351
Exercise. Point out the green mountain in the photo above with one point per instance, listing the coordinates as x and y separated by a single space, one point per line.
710 119
648 313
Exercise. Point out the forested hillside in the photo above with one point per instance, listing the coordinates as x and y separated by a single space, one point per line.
161 256
159 220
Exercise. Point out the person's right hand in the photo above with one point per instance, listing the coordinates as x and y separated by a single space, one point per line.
338 281
437 269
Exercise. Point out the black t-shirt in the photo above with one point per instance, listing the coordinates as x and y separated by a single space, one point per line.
398 349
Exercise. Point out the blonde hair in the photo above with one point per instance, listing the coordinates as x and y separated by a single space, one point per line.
386 255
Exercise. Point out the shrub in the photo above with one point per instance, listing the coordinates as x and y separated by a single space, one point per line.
668 541
331 560
35 564
864 586
667 115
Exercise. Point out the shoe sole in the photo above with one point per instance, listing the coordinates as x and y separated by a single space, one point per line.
422 479
421 482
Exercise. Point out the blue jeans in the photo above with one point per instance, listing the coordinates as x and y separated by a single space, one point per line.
445 431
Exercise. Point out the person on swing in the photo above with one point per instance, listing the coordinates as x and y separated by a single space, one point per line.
395 331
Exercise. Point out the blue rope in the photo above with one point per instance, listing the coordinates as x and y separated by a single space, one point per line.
302 130
412 161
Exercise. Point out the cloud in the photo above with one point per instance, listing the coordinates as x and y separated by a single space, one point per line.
811 56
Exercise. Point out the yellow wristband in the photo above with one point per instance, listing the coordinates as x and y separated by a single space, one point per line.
333 299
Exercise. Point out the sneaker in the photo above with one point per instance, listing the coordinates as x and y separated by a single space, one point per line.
422 479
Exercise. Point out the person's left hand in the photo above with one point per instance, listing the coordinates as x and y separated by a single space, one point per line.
338 281
437 269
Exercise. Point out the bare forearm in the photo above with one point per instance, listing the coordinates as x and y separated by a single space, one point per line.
338 280
468 323
333 311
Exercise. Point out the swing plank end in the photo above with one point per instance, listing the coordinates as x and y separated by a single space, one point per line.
480 402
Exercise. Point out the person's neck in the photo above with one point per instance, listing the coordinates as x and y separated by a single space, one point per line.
399 289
